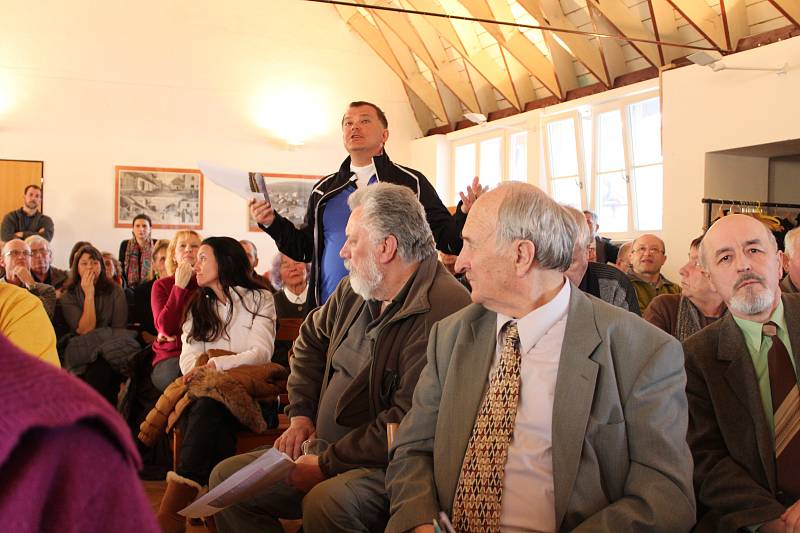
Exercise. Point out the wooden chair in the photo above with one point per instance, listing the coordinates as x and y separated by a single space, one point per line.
288 330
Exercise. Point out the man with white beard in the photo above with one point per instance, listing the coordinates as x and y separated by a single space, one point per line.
742 386
355 366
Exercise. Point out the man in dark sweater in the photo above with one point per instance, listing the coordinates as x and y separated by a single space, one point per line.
28 220
321 236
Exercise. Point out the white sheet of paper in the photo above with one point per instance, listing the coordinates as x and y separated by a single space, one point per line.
270 468
235 180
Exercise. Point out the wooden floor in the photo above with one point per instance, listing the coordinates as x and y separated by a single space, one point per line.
155 490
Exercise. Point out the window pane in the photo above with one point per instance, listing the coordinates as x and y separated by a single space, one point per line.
491 161
649 192
563 150
645 120
612 201
465 168
518 156
567 191
611 153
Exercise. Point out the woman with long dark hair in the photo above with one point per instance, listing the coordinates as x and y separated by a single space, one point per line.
96 315
230 311
136 253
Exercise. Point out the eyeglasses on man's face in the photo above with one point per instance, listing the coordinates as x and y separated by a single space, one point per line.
18 253
645 249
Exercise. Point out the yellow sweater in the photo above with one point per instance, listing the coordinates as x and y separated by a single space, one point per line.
24 322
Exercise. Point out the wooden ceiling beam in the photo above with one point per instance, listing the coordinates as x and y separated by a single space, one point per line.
704 19
610 49
466 43
429 53
550 12
789 9
627 24
666 29
398 59
734 20
513 41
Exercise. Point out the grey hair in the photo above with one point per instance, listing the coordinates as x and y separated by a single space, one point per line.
395 210
790 241
38 239
701 250
275 277
251 243
591 214
582 234
527 213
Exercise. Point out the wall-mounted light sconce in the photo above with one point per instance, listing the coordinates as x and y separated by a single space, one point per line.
713 60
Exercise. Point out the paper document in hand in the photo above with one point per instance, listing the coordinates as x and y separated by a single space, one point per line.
235 180
270 468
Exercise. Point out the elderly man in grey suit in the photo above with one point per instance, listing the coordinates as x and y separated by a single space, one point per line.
551 410
744 407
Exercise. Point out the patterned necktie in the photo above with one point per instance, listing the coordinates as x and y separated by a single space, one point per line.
786 411
479 494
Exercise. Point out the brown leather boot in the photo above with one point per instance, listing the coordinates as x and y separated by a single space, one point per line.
180 493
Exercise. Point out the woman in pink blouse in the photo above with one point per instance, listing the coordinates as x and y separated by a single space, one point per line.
168 300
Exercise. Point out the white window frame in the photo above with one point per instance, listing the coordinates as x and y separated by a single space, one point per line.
621 105
579 152
495 133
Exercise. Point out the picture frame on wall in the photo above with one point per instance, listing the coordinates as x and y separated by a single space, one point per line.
171 197
288 194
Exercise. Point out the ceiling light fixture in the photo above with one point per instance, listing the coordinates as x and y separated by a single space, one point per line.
481 120
713 60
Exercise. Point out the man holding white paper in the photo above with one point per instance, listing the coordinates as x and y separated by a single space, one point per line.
319 239
355 366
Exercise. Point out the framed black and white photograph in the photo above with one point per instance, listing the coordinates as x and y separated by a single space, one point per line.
288 194
171 197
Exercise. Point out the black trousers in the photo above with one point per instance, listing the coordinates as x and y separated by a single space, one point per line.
209 436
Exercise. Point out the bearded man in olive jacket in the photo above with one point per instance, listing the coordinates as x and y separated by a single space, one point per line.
354 370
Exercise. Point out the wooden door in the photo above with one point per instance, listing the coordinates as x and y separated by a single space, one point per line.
14 177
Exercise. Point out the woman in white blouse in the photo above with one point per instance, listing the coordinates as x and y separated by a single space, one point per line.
232 311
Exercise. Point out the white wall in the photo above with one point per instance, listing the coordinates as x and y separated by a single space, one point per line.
706 111
784 179
85 86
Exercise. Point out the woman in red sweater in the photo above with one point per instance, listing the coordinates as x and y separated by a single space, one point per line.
168 300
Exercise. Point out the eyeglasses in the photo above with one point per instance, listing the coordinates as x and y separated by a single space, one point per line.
41 251
18 253
645 249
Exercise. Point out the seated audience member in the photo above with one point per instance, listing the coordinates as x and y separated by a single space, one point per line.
25 323
647 257
592 395
113 269
598 279
370 337
136 254
624 257
169 299
67 461
791 261
17 262
591 252
698 305
742 387
142 293
291 279
252 256
98 347
231 311
449 262
42 263
28 220
605 250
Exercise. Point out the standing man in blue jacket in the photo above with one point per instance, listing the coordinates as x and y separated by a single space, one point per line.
321 236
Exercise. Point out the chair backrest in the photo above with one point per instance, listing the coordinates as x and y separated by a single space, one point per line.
288 329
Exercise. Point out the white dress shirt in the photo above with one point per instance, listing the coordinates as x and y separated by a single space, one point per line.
251 337
528 494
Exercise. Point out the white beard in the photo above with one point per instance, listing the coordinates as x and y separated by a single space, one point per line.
365 284
753 300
